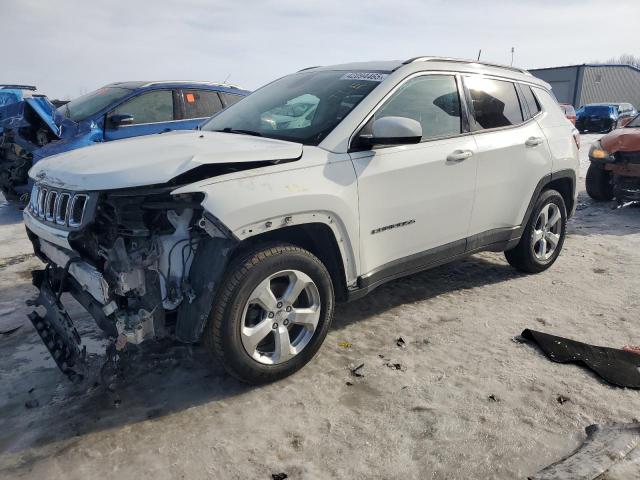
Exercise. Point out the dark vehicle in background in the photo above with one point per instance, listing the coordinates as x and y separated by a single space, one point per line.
33 128
614 171
604 117
569 112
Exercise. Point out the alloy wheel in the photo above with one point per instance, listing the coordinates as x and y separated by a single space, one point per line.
280 317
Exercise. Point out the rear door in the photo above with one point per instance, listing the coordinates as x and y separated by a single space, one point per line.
153 111
513 155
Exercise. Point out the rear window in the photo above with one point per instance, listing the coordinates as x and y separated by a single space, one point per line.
494 103
598 110
200 103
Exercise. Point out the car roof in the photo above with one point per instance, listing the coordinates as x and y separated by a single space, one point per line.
417 64
134 85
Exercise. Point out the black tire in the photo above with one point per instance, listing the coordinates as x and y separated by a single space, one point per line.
598 183
522 257
222 335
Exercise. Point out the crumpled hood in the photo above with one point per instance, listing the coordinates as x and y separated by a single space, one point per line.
155 159
622 140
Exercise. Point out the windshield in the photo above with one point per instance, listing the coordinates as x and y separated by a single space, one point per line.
87 105
635 123
602 110
304 107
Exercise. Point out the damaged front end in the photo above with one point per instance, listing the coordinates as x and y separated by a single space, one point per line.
618 154
144 263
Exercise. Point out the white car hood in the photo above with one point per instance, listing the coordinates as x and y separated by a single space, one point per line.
155 159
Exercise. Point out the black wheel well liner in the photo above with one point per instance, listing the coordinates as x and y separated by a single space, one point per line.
566 186
564 181
317 238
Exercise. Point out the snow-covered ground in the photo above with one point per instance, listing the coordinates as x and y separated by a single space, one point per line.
468 402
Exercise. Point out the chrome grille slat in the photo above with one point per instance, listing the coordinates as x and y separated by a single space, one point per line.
66 209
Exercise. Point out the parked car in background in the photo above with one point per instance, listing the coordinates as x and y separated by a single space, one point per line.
604 117
14 93
34 128
318 187
569 112
614 171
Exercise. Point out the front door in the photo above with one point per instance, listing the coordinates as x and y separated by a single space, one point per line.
152 111
415 201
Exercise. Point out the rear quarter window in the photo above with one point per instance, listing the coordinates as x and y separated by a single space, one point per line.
554 114
229 99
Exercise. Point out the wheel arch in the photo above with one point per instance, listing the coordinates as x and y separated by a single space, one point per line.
316 237
565 183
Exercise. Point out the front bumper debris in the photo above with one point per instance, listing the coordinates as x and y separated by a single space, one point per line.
57 330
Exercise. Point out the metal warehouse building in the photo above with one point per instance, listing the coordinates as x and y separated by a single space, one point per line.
592 83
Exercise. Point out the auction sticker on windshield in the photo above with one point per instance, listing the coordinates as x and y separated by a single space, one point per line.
371 76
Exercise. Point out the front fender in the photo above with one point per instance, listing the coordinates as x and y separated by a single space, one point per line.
252 204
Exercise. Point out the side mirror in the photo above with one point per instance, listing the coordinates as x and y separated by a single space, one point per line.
120 119
394 131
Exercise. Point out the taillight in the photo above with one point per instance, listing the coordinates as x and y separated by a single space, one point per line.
576 137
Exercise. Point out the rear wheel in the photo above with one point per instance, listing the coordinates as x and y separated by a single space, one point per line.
543 237
598 183
272 314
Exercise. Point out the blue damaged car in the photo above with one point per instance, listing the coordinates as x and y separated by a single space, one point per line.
32 128
14 93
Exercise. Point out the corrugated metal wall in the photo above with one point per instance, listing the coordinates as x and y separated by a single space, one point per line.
610 84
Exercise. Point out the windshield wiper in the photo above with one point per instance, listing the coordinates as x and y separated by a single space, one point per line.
240 131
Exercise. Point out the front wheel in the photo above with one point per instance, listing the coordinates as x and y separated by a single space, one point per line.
598 183
272 313
543 237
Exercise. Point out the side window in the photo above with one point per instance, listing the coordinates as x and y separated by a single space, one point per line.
494 103
531 101
150 107
229 98
432 100
200 103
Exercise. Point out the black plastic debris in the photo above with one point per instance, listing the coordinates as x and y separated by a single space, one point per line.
279 476
562 399
400 342
618 367
394 366
602 449
357 372
493 398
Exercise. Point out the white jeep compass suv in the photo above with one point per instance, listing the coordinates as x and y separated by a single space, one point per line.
318 187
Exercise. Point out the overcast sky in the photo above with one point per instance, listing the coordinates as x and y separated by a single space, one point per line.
69 47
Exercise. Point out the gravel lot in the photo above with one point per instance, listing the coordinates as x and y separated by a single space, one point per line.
467 401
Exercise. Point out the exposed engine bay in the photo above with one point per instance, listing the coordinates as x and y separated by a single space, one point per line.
145 264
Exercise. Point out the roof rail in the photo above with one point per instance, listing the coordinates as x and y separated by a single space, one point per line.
460 60
308 68
17 87
202 82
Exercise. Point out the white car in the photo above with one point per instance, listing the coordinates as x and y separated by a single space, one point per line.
243 236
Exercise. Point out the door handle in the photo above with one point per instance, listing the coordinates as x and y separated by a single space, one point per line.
533 141
459 155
